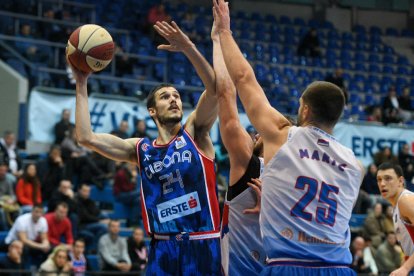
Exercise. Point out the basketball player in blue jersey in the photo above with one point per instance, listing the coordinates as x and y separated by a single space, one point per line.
241 244
178 188
310 181
391 184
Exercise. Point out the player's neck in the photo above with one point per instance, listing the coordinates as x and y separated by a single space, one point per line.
166 133
394 199
328 130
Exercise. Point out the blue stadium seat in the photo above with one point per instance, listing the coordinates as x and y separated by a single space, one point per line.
402 70
386 69
407 33
356 222
354 99
359 66
373 79
298 21
359 57
359 29
391 31
374 68
285 20
104 196
359 78
347 36
93 262
388 59
317 75
402 60
18 66
313 23
346 65
373 58
375 30
270 18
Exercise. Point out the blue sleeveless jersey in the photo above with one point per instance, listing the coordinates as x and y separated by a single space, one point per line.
178 187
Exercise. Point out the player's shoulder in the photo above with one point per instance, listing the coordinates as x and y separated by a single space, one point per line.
406 200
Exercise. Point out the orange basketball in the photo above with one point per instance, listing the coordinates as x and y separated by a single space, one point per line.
90 48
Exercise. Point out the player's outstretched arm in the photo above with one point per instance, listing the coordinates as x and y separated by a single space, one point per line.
108 145
265 119
206 110
235 138
405 205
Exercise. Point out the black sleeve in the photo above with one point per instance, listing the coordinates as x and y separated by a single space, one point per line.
252 171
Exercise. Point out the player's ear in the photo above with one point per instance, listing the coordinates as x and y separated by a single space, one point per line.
152 111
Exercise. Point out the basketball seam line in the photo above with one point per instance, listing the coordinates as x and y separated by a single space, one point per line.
97 47
88 37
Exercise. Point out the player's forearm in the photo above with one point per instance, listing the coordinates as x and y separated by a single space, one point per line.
202 67
83 121
237 65
409 263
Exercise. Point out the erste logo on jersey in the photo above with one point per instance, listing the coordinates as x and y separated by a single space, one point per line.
179 207
180 142
144 147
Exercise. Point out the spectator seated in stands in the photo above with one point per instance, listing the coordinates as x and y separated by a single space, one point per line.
388 257
138 252
140 130
309 45
77 257
92 225
28 49
124 65
406 161
363 203
388 222
374 225
51 171
31 229
113 250
122 131
65 194
9 207
338 79
369 183
9 154
28 189
79 161
60 227
375 114
357 251
369 254
406 109
125 191
391 108
107 167
57 263
156 13
52 31
13 260
385 155
63 127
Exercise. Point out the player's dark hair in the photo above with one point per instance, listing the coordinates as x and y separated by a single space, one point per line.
151 95
326 102
389 165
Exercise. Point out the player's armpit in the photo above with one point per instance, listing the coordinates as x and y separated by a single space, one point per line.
113 147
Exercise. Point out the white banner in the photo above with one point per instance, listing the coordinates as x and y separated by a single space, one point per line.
45 111
365 140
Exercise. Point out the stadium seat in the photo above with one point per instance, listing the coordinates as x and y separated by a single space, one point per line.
386 69
104 196
93 262
356 222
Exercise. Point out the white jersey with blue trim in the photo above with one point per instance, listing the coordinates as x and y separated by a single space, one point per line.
402 229
242 250
308 191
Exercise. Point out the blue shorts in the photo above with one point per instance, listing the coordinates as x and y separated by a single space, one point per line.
309 271
184 257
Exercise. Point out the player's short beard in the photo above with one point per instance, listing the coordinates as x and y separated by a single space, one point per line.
169 120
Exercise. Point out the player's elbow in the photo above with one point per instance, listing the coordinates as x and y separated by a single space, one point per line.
244 75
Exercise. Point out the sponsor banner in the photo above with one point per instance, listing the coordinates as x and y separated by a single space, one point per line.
365 140
106 114
179 207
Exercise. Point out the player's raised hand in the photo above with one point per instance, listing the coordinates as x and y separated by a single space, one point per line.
256 185
178 40
78 75
222 15
214 31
